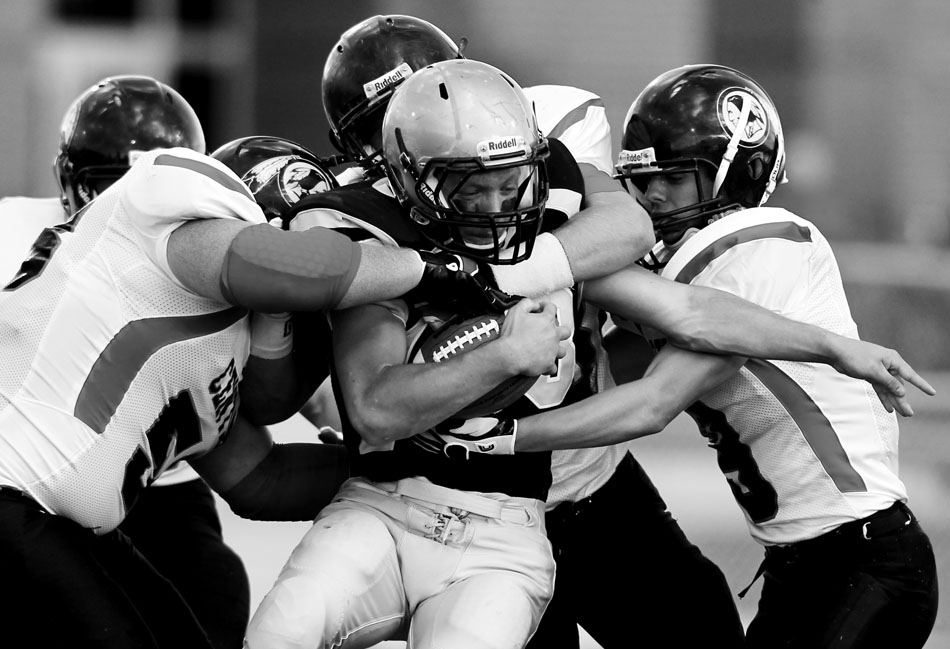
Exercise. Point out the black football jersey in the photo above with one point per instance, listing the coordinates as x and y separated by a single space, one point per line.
365 210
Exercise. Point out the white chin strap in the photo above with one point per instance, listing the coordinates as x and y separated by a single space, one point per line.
733 146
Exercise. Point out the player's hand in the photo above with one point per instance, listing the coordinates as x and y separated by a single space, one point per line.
485 435
533 337
461 282
884 369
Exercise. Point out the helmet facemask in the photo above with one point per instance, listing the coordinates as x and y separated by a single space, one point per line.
449 198
670 225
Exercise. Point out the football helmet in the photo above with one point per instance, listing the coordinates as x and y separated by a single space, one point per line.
704 119
365 65
110 124
278 172
463 152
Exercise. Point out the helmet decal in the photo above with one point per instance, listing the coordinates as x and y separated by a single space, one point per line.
373 89
278 172
298 179
502 149
754 128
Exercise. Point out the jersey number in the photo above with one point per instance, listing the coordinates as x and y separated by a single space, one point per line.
549 391
177 422
43 248
752 491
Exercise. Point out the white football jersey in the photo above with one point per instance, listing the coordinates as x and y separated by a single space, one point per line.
577 118
803 447
152 369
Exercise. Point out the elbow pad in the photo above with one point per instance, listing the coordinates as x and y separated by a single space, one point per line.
292 483
268 270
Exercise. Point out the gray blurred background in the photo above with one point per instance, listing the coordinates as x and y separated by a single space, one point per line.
861 85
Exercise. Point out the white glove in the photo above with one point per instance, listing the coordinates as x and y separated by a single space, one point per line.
485 435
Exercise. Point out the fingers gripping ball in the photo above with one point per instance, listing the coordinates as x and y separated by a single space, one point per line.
460 337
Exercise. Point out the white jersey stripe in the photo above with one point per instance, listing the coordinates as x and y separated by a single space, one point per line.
168 160
779 230
573 117
814 425
123 358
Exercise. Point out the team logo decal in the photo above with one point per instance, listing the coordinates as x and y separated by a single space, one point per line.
294 177
299 179
753 128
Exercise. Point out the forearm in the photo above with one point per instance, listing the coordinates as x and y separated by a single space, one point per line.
616 415
283 369
709 320
673 381
293 482
407 399
725 324
610 233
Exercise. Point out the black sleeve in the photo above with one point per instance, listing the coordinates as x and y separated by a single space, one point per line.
563 174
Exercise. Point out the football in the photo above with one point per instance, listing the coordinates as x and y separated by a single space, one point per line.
464 336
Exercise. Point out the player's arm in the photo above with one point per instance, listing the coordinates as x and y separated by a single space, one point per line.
388 399
198 222
674 380
262 480
288 360
609 232
709 320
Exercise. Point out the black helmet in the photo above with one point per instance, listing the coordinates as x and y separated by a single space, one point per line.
110 124
704 117
278 172
364 67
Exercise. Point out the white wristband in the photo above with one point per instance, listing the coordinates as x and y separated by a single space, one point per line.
272 335
545 271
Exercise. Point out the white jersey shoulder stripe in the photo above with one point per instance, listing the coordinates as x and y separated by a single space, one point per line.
198 166
573 117
788 230
814 425
122 359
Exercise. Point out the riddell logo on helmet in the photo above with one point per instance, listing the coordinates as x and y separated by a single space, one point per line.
639 158
379 85
503 146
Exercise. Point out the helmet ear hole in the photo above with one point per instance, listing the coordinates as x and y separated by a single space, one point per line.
755 166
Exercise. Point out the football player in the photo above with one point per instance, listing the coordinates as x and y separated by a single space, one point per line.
810 455
417 545
175 523
128 345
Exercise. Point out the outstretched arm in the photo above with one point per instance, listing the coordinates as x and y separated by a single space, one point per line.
675 379
713 321
269 270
